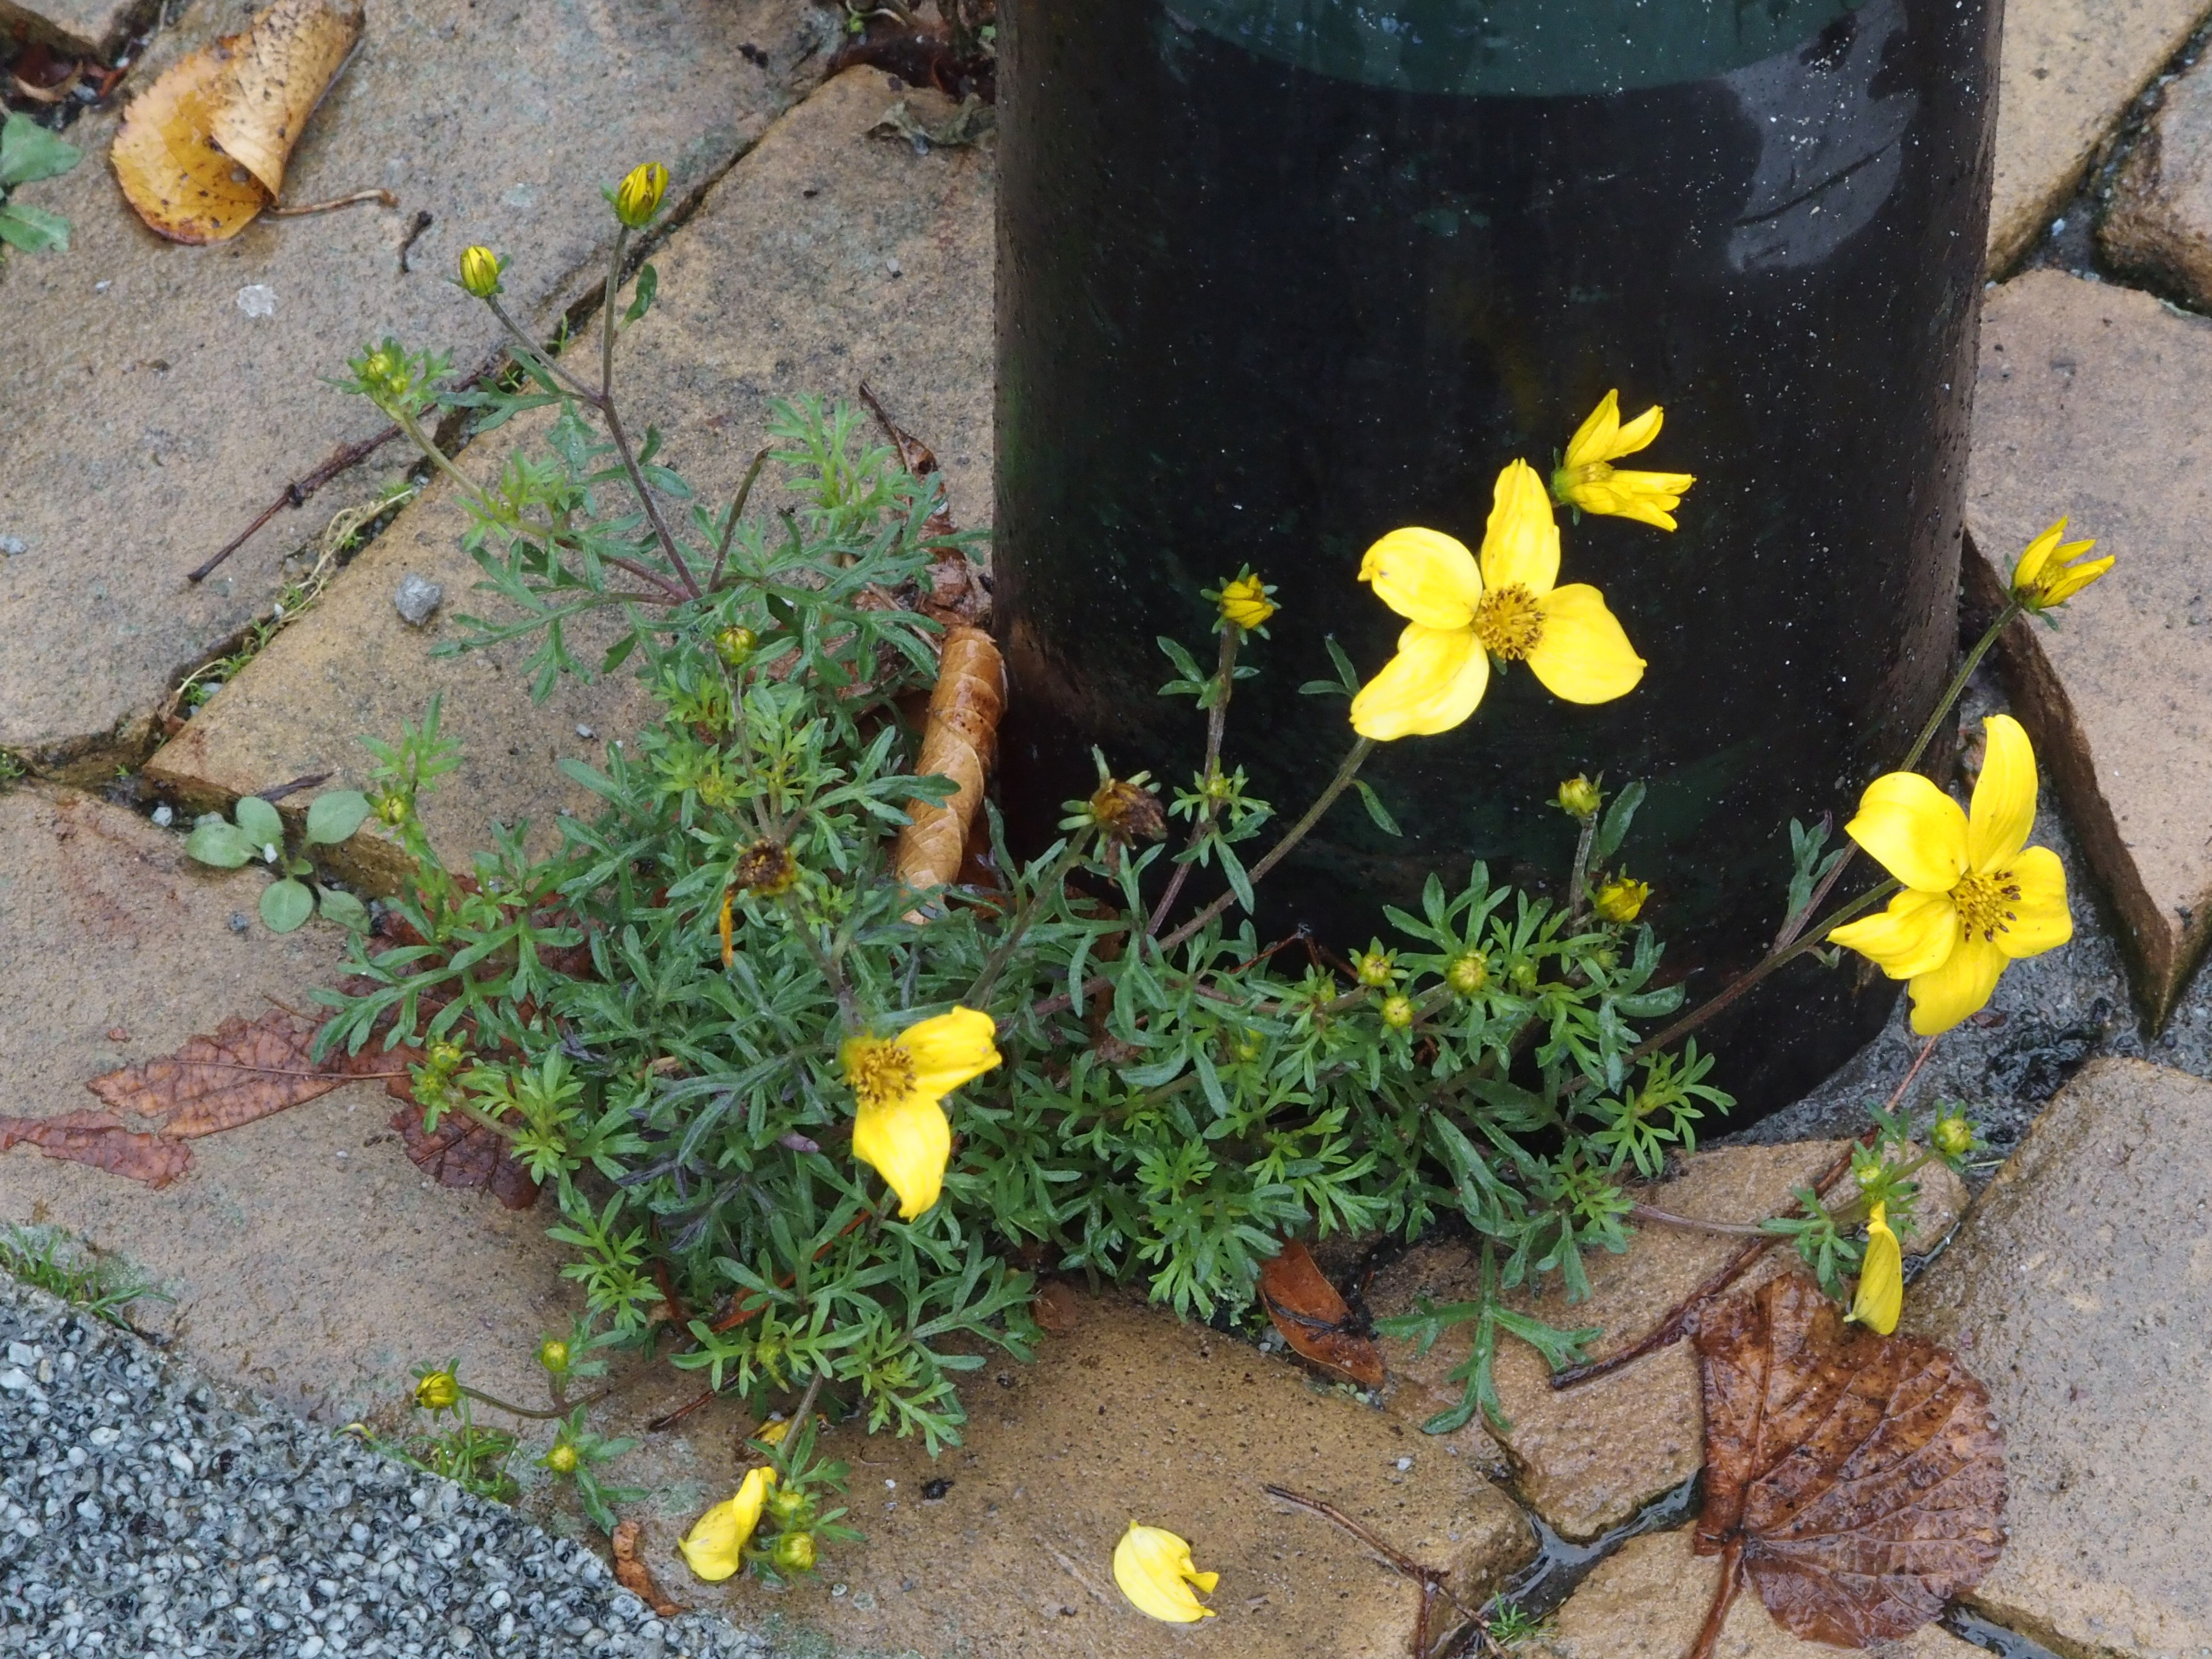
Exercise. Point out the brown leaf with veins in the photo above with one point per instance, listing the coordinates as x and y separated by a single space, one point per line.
1311 1316
1856 1479
633 1575
97 1138
242 1072
463 1154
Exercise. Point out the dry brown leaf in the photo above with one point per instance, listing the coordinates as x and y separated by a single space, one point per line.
957 740
240 1074
1055 1306
1312 1316
97 1138
633 1575
1856 1479
253 90
464 1154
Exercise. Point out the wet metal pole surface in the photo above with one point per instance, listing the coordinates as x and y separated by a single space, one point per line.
1279 276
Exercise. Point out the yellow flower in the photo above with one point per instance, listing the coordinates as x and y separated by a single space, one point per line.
1245 602
771 1434
1880 1296
480 272
1587 478
1460 616
638 197
901 1131
438 1391
715 1547
1579 797
2051 571
1620 899
1151 1565
1977 896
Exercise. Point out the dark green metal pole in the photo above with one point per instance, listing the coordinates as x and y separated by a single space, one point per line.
1279 276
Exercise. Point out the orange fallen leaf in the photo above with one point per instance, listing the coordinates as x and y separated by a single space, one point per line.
633 1575
243 1072
963 724
1312 1316
97 1138
1858 1480
202 151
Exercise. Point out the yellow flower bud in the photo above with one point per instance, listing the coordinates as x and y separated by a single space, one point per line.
437 1391
637 198
1620 900
1398 1012
794 1552
393 809
1155 1570
1244 602
1579 797
1880 1296
479 272
1468 974
735 645
562 1460
553 1354
715 1547
790 1509
1374 967
1954 1136
447 1056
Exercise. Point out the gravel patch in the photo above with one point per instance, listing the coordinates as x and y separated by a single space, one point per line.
145 1512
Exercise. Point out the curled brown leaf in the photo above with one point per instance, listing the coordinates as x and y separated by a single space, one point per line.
633 1575
1857 1481
962 726
242 1073
97 1138
1312 1315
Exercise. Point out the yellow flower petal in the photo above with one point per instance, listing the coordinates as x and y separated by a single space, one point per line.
909 1145
1635 434
1583 655
1432 684
1425 576
2004 796
1915 935
715 1547
2066 583
2038 919
1881 1295
948 1049
1914 830
1155 1570
2036 554
1520 543
1593 438
1942 997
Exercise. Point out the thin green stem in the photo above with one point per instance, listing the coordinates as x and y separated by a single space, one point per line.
1047 885
1579 881
437 457
606 404
536 355
523 1411
1217 721
730 522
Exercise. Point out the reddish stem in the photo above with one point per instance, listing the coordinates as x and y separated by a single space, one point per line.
1724 1594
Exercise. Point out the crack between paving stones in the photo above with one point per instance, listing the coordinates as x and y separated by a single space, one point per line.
1978 1629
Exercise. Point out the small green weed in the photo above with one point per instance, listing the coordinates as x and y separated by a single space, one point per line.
49 1259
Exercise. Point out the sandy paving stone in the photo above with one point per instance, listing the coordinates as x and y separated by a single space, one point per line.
2088 403
1588 1458
94 28
2069 70
2080 1289
2160 223
155 397
825 257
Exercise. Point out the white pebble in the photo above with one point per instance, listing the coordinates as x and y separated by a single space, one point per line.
258 300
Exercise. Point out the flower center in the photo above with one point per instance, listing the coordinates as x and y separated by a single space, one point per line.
1508 622
880 1073
1985 903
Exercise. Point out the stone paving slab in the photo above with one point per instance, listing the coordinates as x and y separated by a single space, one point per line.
90 27
825 257
1649 1601
1588 1458
2069 70
155 398
2158 226
2080 1289
309 1259
2087 404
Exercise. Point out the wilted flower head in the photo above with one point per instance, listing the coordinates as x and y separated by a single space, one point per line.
1579 797
1247 602
479 272
715 1547
1976 894
1620 899
1880 1296
1125 811
901 1131
2051 571
637 198
437 1391
1588 479
766 868
1155 1570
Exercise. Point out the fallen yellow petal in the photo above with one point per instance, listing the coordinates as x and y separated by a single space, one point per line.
1155 1570
1881 1297
714 1548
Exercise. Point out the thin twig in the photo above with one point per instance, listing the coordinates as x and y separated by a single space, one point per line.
1433 1581
295 494
381 198
272 796
1695 1224
737 512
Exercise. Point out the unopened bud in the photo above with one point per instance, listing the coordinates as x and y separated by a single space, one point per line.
1579 797
438 1391
1244 602
637 198
1373 968
1468 974
553 1354
562 1460
1954 1136
735 645
794 1552
1398 1012
479 272
1620 900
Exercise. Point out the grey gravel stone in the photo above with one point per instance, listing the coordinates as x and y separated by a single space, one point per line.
417 597
144 1513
